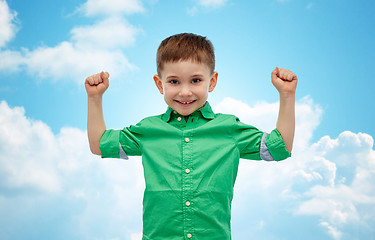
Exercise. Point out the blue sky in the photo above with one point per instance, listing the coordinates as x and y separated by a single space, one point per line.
50 184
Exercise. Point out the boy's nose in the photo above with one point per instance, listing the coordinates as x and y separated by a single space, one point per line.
185 92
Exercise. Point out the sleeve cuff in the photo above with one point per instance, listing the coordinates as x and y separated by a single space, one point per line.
110 146
274 147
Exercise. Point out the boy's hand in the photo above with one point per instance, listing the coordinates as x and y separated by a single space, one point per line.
284 80
97 84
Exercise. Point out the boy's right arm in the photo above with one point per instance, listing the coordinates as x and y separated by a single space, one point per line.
95 86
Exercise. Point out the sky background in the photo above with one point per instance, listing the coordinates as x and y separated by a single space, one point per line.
52 187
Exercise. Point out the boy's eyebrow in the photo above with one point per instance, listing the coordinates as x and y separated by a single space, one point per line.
171 76
197 75
192 76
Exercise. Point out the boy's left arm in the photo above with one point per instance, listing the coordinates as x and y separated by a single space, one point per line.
285 82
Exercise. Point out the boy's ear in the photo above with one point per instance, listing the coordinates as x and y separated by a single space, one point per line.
158 83
213 82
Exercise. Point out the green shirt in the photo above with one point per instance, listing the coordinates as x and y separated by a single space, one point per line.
190 169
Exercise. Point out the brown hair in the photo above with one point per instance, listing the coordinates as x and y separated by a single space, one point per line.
185 46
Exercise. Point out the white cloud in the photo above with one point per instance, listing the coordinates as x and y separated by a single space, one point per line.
38 166
33 157
14 60
90 49
7 23
111 33
67 63
99 8
25 163
332 230
348 196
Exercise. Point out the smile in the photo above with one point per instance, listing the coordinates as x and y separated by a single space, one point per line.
189 102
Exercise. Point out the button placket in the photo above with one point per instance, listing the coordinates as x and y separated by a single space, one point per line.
187 183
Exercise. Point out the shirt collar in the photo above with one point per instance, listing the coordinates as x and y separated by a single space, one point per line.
206 112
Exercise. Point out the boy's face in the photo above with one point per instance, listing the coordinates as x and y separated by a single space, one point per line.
185 85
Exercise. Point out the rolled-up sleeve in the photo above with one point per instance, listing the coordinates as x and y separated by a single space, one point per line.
119 144
257 145
276 146
109 144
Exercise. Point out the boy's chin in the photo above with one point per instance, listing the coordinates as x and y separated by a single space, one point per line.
185 112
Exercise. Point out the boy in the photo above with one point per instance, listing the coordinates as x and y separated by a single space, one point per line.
189 154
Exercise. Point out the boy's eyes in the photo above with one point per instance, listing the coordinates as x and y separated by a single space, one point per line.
195 80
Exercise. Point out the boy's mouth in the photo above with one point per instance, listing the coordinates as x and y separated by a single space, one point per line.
186 102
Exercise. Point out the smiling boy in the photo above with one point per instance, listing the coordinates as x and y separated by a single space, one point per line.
190 155
185 85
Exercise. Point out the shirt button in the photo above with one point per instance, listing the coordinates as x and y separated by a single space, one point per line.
179 119
187 170
187 140
189 235
187 203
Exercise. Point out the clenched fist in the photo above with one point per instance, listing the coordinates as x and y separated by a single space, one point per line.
97 84
284 80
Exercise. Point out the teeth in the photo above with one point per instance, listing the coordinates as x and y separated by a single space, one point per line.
187 102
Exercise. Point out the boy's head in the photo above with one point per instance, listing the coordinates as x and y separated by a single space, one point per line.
185 47
185 65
